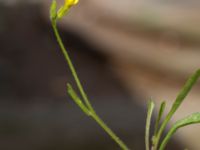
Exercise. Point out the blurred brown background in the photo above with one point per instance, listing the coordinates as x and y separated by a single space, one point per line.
125 53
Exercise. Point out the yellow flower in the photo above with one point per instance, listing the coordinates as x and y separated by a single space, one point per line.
70 3
65 8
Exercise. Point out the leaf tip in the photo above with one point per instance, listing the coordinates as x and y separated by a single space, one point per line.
53 10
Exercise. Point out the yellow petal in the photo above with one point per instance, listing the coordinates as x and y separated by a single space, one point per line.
69 3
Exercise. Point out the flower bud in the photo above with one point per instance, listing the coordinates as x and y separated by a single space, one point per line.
65 8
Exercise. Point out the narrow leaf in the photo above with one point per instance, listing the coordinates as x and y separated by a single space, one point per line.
53 11
76 99
185 90
192 119
148 123
181 96
161 111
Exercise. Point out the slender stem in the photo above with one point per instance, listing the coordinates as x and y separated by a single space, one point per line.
89 110
109 131
71 66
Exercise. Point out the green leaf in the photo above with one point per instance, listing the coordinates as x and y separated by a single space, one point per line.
192 119
77 100
150 109
161 111
53 10
181 96
185 90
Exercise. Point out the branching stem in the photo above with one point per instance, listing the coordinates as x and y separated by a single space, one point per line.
87 107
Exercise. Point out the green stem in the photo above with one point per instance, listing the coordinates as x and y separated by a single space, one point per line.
89 110
109 131
71 66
